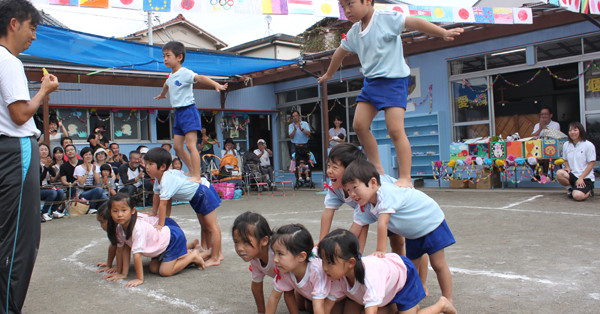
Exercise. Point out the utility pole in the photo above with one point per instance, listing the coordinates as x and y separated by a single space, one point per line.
150 39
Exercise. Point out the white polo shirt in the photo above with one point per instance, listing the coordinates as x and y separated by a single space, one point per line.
579 157
13 88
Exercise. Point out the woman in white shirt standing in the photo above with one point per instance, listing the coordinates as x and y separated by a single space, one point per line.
580 156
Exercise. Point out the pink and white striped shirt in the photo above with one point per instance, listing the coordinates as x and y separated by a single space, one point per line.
315 284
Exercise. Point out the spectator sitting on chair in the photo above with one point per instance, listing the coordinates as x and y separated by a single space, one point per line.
131 176
108 183
68 168
264 155
87 175
68 141
57 160
545 123
55 137
52 195
116 159
229 148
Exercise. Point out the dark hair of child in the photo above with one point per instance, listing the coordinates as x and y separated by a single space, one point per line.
579 126
111 229
20 10
106 167
103 212
295 238
342 245
159 156
360 169
345 153
176 48
251 224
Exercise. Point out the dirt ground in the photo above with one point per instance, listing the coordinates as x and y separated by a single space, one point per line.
516 251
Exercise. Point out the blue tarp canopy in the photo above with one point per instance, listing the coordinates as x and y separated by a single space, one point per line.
82 48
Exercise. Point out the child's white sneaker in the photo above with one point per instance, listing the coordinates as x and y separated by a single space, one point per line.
46 216
57 215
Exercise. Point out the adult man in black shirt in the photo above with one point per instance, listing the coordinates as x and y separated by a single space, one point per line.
67 169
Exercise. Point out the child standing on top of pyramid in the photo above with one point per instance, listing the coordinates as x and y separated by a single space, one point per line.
375 37
187 119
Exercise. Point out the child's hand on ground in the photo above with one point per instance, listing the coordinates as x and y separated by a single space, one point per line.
451 33
326 77
379 254
161 96
114 277
134 283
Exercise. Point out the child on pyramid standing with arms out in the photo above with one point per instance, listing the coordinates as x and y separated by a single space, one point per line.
375 37
187 119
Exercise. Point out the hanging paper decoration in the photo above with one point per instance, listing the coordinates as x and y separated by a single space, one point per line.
327 8
126 4
274 6
503 16
463 15
420 11
94 3
247 7
484 15
185 6
594 7
64 2
300 7
157 5
442 14
522 16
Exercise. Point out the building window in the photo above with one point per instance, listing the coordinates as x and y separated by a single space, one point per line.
471 108
559 49
467 65
76 122
126 126
164 121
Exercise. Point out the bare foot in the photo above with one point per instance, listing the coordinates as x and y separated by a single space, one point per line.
404 183
195 179
193 244
198 260
447 307
213 262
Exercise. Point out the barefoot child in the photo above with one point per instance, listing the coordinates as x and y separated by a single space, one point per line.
389 283
251 235
405 211
386 74
167 247
187 119
171 185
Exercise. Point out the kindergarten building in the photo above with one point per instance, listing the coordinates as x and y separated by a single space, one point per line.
491 80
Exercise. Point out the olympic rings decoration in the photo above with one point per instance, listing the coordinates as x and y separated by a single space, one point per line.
222 4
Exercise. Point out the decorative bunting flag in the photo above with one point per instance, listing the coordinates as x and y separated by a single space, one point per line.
126 4
402 8
94 3
554 2
274 6
594 7
441 14
326 8
300 7
464 15
571 5
247 7
157 5
503 16
420 11
585 9
64 2
483 15
522 16
185 6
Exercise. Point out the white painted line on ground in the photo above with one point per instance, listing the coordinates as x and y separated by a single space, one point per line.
139 290
595 296
522 210
500 275
521 202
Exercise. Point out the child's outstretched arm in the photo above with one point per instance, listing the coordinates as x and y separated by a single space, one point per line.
107 267
273 301
290 301
382 223
429 28
163 93
318 306
162 212
326 219
139 271
123 260
205 80
336 61
259 296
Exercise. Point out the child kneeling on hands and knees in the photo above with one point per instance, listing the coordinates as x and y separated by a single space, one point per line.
172 185
385 284
375 38
404 211
166 246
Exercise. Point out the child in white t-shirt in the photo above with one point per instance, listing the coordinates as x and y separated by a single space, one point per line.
172 185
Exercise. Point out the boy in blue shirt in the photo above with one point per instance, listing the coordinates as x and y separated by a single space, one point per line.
173 185
187 119
404 211
375 37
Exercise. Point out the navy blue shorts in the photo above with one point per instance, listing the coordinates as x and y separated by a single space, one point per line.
436 240
384 92
412 293
187 119
177 245
205 200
